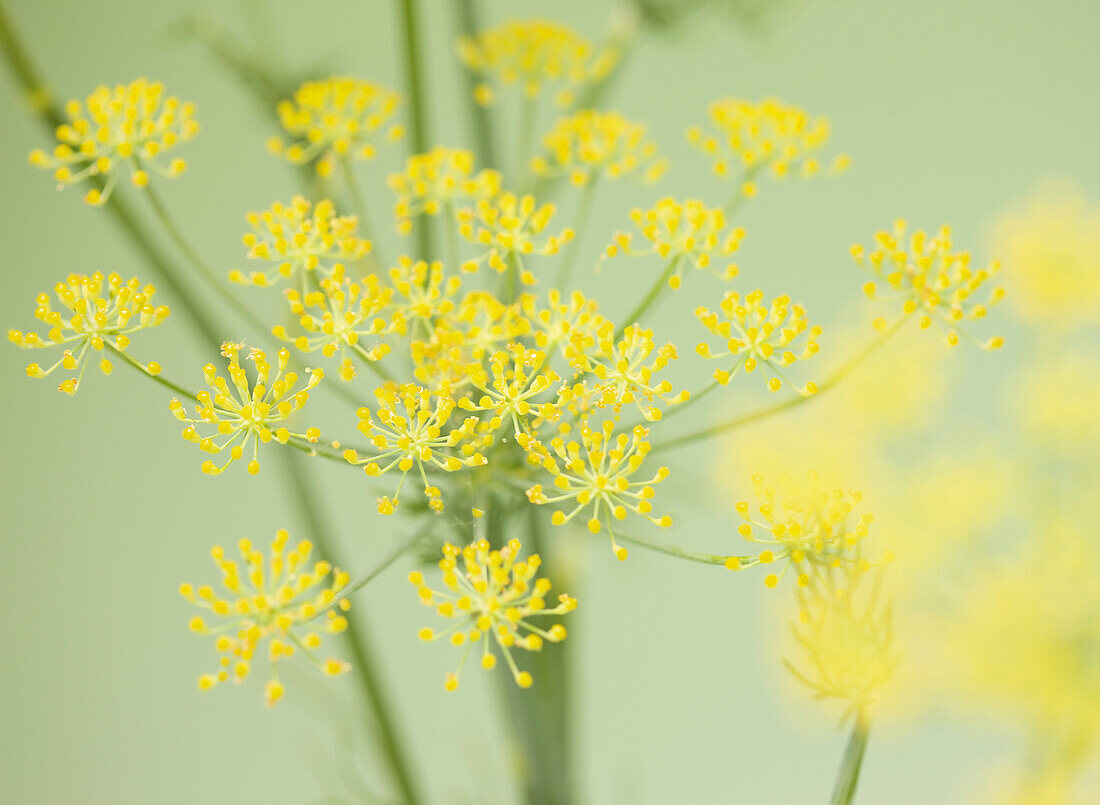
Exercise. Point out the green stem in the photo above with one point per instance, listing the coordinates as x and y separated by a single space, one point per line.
584 211
650 297
526 135
212 279
793 402
467 24
168 384
511 277
694 398
450 227
418 109
355 192
844 791
363 662
691 556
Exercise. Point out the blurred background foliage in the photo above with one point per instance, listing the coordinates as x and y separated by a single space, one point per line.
981 468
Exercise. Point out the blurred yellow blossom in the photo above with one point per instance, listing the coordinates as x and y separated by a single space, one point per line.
509 227
131 124
336 118
1050 247
437 181
590 144
538 55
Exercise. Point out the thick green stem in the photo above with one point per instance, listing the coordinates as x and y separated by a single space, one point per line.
467 24
651 297
844 791
584 211
418 109
212 280
370 682
793 402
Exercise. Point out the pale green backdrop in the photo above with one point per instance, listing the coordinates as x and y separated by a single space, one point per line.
950 108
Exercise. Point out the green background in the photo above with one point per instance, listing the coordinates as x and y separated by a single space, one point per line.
951 109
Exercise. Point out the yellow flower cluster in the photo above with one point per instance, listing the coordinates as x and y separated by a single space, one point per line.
684 233
102 312
759 335
925 273
536 54
336 118
337 316
748 137
270 600
588 145
624 372
247 415
595 475
845 636
805 525
438 181
509 227
515 377
131 124
492 593
299 237
407 430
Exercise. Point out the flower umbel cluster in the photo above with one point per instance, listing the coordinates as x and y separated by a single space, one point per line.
337 118
338 316
299 237
588 145
684 233
537 55
407 430
805 525
102 312
270 600
247 415
928 277
491 597
510 227
759 335
131 125
595 475
747 137
439 181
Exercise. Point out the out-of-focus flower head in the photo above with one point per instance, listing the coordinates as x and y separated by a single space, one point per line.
337 316
589 145
1050 248
805 525
759 335
538 55
102 312
491 597
845 637
247 415
746 138
299 237
509 227
336 118
270 600
1058 405
1025 643
687 233
131 124
439 180
594 474
927 276
407 430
